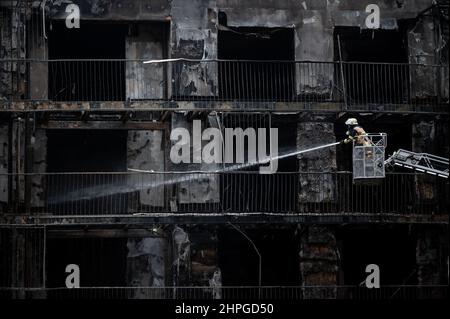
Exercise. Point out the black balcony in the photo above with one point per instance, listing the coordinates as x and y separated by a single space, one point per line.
387 292
225 193
245 84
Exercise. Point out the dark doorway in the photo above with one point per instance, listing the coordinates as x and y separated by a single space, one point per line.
271 80
72 153
358 45
102 261
87 80
86 150
248 43
239 262
393 249
378 72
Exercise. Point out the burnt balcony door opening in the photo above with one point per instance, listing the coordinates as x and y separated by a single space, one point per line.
246 189
393 249
256 81
102 262
378 70
239 262
80 157
89 80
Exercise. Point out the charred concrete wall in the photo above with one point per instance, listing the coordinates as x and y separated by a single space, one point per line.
316 188
145 151
423 44
38 51
146 81
181 254
197 190
114 9
432 255
204 260
195 259
193 34
4 151
12 47
319 261
429 137
18 140
26 245
29 155
318 248
147 262
39 167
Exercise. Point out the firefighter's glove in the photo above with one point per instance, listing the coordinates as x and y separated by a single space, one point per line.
348 140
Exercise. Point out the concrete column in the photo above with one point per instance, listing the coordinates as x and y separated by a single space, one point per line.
12 46
316 187
318 262
422 50
27 247
38 50
4 145
194 36
39 166
18 160
314 42
432 258
423 140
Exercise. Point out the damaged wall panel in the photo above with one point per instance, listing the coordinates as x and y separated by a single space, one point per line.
114 9
39 166
194 36
195 260
319 260
147 260
145 151
314 42
421 46
37 51
4 147
204 189
146 81
181 248
432 257
429 137
204 259
12 47
423 135
316 188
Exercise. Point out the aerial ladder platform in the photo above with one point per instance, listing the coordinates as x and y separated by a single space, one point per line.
369 163
421 162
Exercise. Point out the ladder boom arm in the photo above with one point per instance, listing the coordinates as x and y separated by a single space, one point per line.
422 162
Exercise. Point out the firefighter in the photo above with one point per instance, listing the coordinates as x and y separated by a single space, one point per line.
355 133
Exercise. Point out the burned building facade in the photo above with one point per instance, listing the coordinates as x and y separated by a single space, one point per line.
86 174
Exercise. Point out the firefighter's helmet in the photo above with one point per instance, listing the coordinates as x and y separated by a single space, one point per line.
351 121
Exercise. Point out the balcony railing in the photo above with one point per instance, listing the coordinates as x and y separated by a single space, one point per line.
221 193
404 292
244 84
